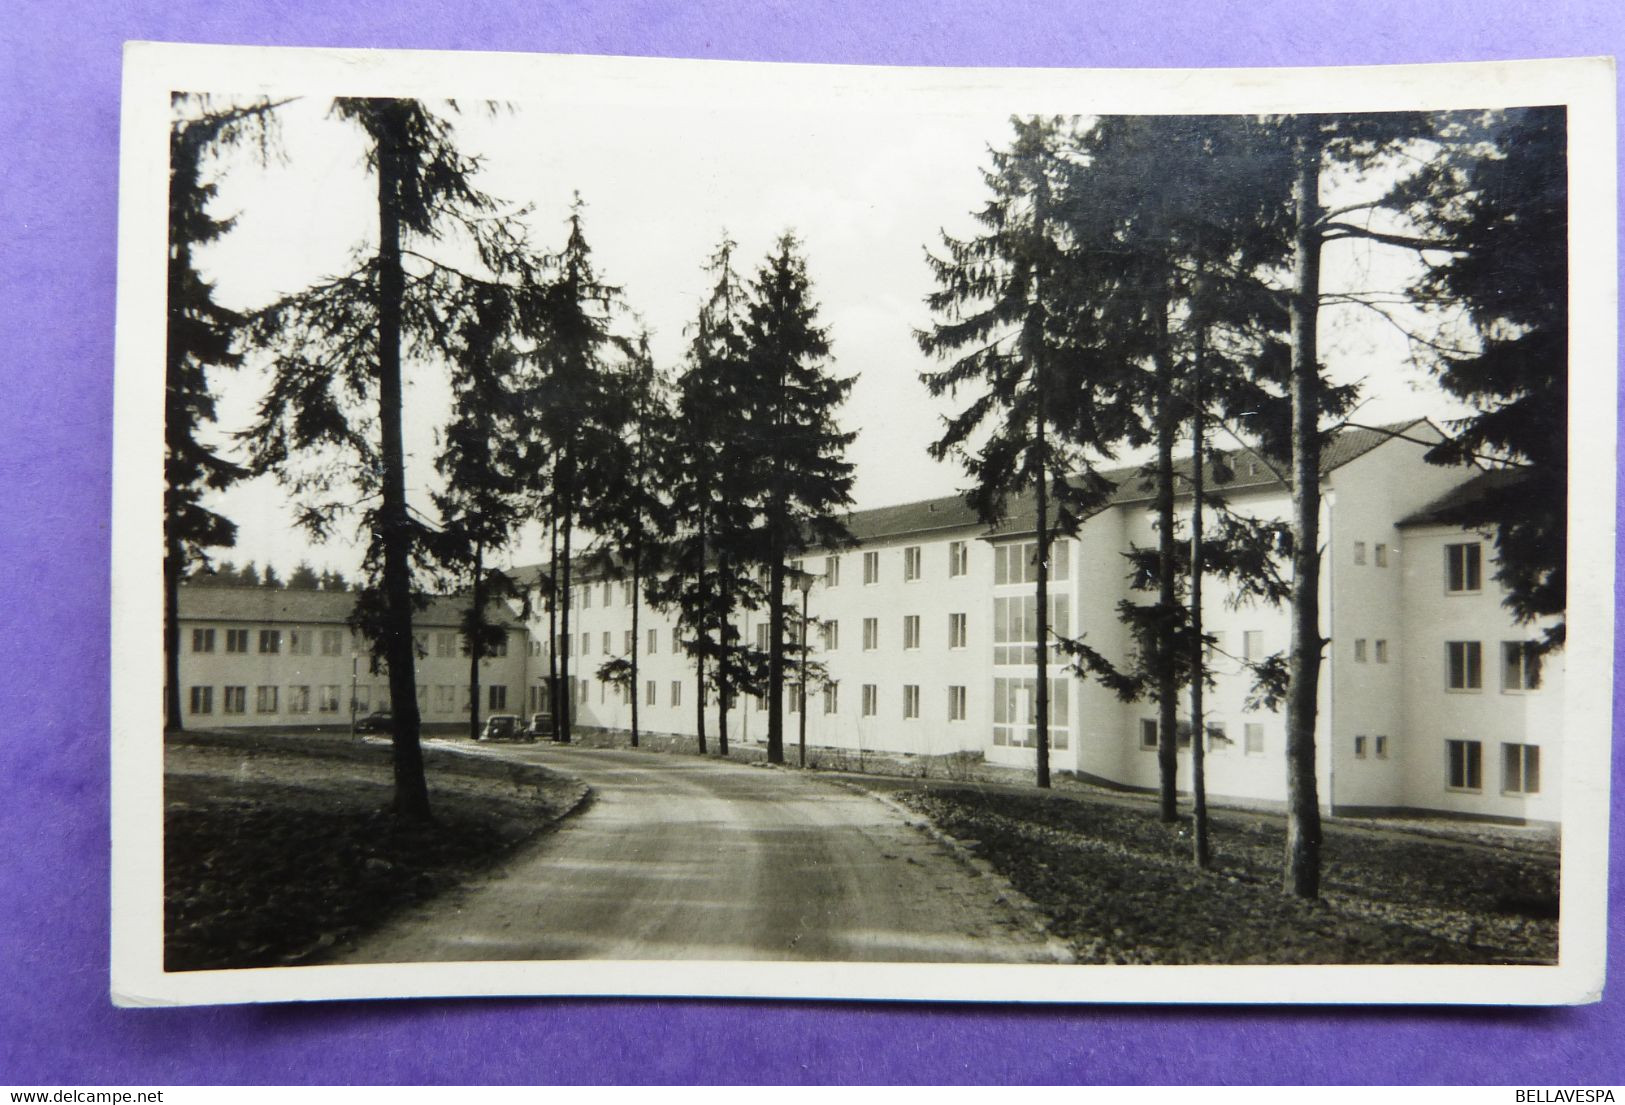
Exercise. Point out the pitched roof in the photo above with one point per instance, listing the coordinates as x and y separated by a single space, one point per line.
1441 511
273 604
1243 469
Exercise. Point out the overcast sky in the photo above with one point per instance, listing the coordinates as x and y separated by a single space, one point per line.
866 191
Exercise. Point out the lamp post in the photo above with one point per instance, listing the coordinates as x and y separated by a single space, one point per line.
804 582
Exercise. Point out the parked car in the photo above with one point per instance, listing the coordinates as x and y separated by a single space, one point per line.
541 725
379 721
504 727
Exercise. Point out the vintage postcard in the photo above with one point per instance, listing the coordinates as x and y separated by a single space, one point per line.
608 526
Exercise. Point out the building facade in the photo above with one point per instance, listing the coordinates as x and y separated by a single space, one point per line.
259 656
1430 698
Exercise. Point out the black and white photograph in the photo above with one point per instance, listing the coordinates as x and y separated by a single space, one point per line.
620 526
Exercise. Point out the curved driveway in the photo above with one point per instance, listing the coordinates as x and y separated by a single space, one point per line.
686 858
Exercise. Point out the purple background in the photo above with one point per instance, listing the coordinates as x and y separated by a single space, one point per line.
59 88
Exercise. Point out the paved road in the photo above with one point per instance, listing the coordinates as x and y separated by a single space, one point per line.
684 858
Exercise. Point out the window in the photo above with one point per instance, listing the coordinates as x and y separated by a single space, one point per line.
871 634
1215 644
832 571
586 644
1464 567
1382 651
628 639
265 700
1466 665
832 697
445 645
607 646
911 631
462 645
299 642
1359 552
1359 650
445 698
270 640
1252 644
1015 626
499 647
607 593
626 592
202 641
651 696
832 635
793 697
761 702
329 702
871 699
1520 666
1382 556
1380 746
871 567
1015 708
236 640
1218 736
237 698
202 700
911 563
958 558
1148 732
654 641
956 703
911 700
956 631
1359 747
676 692
1466 765
299 700
362 700
761 636
497 697
586 596
1254 737
1520 768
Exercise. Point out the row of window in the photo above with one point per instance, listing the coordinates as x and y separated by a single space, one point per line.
1218 736
1013 563
268 699
1463 564
958 698
301 641
1520 666
1380 550
1520 766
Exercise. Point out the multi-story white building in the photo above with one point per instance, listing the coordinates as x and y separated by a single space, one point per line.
259 656
1429 698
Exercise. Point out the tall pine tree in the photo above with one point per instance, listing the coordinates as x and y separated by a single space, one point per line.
795 446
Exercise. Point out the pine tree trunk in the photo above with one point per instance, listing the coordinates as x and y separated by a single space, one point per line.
553 624
637 591
1302 876
411 789
1199 825
174 568
1167 676
699 651
1041 710
724 679
567 704
775 655
477 622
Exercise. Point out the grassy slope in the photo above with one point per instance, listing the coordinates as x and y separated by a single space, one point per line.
276 849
